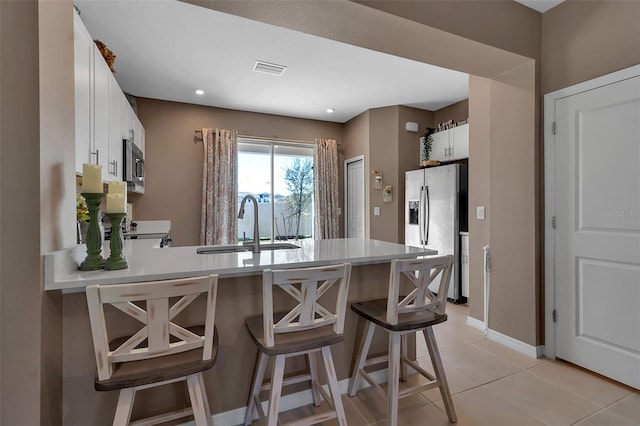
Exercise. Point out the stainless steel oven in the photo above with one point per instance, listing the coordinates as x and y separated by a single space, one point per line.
133 167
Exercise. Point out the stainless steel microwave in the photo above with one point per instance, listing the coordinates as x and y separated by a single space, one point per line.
133 167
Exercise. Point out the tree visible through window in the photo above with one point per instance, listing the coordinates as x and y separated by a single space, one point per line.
299 179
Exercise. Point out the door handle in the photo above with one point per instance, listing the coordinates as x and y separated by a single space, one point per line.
420 212
428 212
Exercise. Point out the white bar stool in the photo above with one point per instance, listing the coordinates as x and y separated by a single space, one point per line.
400 316
161 352
308 329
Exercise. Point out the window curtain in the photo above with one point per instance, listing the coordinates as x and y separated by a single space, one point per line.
325 173
218 219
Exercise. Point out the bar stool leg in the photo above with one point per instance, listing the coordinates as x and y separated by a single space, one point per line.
276 389
258 378
125 404
199 405
393 384
313 372
438 368
332 380
361 358
403 356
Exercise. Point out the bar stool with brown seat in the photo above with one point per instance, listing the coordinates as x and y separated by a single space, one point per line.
420 310
307 329
162 351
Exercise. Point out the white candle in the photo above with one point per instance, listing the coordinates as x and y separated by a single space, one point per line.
116 203
92 179
117 188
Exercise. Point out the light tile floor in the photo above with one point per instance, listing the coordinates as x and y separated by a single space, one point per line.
493 385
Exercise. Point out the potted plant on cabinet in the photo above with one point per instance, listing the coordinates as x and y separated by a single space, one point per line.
426 143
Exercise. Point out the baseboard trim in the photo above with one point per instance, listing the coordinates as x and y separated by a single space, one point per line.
475 323
289 402
510 342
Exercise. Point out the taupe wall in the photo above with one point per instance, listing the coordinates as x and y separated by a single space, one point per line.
37 197
504 24
20 314
356 137
383 153
57 184
582 40
479 187
456 112
174 162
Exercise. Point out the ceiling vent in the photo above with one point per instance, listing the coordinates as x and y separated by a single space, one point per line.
267 68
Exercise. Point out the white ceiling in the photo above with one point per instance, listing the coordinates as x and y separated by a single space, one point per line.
165 49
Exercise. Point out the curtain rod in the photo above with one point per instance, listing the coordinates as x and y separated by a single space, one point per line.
263 138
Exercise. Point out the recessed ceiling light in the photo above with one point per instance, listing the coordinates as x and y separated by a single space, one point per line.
331 110
199 92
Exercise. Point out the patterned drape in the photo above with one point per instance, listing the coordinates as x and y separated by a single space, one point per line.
218 219
325 173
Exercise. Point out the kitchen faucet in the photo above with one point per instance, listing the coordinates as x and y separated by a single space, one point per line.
256 234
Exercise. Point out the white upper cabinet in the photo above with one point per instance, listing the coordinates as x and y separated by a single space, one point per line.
83 70
103 116
459 142
115 130
100 149
450 145
440 146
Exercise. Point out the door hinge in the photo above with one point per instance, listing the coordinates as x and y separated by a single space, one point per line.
553 315
553 222
553 128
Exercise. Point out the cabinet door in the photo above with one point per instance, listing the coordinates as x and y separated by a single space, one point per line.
83 77
100 149
459 142
138 138
126 117
464 251
440 146
115 133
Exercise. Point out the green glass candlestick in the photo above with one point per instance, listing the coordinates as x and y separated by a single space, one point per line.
116 260
94 259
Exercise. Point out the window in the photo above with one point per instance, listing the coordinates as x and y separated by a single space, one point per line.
280 176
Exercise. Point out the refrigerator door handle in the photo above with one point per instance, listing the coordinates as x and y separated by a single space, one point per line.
428 212
420 221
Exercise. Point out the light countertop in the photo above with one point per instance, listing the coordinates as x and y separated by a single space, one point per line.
149 262
150 228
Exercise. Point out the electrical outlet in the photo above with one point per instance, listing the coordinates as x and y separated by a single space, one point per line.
339 211
376 211
480 212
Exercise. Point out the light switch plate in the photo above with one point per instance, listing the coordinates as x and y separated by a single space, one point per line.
339 211
480 212
376 211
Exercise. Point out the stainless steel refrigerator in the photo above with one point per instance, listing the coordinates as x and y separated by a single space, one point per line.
435 214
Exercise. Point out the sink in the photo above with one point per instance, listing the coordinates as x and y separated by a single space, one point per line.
278 246
240 249
221 249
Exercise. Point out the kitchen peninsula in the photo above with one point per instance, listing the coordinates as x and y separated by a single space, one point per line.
239 297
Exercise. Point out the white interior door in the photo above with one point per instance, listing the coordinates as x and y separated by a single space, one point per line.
354 183
597 237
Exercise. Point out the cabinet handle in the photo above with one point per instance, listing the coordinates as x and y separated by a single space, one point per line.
451 151
97 154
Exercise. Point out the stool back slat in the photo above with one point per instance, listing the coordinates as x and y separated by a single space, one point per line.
421 273
308 313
